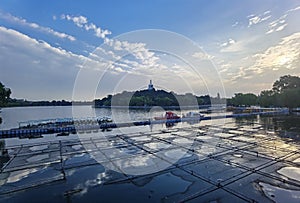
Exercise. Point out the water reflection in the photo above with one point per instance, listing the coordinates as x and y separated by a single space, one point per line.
285 126
3 154
280 195
218 154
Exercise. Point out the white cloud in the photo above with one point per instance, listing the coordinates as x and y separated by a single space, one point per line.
40 28
284 55
136 60
228 42
270 31
82 22
256 19
280 23
235 24
283 58
281 27
202 56
258 71
277 25
30 67
293 9
235 46
265 18
141 54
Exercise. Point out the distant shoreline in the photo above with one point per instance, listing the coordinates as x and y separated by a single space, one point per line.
150 107
123 107
46 103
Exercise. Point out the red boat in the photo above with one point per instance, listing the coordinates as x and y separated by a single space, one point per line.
168 115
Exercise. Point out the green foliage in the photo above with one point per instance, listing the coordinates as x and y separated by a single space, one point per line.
241 99
4 95
152 98
286 82
267 98
290 98
21 102
285 93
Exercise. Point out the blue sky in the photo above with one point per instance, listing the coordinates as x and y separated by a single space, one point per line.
45 44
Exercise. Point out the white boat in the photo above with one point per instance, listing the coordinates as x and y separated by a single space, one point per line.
104 119
193 115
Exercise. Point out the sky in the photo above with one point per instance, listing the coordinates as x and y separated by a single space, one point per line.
62 49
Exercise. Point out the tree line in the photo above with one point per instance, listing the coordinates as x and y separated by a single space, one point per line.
21 102
4 95
284 93
6 101
155 98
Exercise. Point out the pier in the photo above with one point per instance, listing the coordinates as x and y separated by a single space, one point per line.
237 162
66 126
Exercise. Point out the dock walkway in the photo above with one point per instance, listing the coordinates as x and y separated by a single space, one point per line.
89 124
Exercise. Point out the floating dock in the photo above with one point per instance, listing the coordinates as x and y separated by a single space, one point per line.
236 162
70 126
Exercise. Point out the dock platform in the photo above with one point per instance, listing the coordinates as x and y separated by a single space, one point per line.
69 126
237 162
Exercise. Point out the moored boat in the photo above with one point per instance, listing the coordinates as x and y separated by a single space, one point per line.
104 119
168 115
193 115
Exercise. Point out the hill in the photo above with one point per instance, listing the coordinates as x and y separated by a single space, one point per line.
149 98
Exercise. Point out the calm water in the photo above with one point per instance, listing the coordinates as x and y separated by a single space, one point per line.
271 137
13 116
285 126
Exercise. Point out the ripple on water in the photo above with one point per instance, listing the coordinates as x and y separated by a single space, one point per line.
39 147
177 153
179 185
280 195
38 157
77 147
297 160
16 176
157 145
290 172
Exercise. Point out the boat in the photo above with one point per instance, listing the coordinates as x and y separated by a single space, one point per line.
105 119
193 115
168 115
63 134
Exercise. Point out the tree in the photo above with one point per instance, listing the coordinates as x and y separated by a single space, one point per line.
285 92
241 99
267 98
290 98
4 94
286 82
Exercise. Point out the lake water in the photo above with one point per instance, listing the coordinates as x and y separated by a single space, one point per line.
284 125
13 116
228 160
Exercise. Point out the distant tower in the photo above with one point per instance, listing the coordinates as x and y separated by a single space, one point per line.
150 86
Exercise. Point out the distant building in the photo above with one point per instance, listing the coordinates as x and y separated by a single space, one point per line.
150 86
